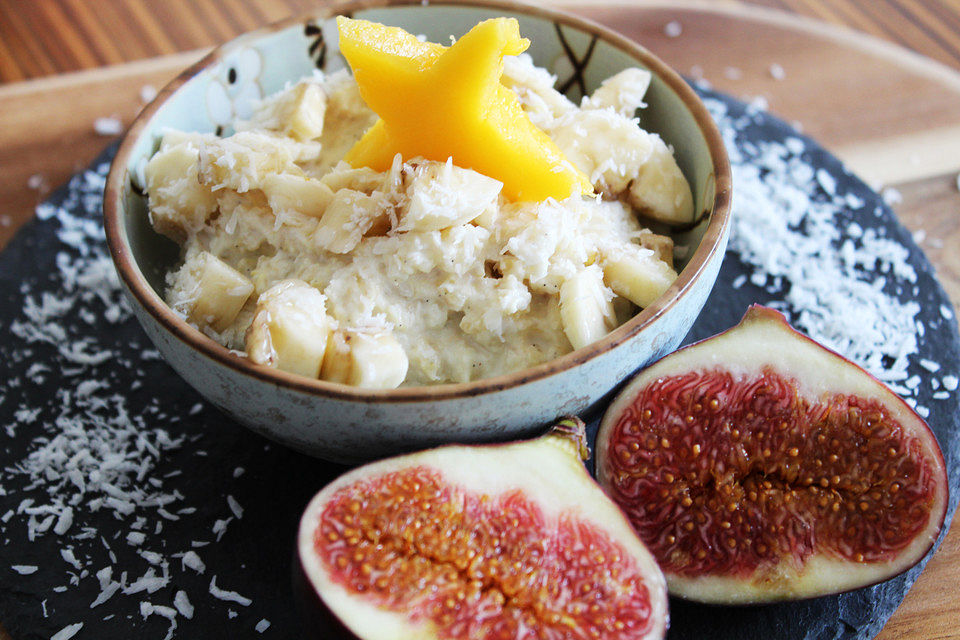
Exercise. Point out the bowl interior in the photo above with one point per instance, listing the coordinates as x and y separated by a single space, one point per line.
263 62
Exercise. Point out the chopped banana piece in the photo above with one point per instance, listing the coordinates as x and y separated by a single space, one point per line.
586 311
337 364
179 204
242 161
660 191
365 359
362 179
173 137
347 218
297 112
607 147
623 92
302 113
346 119
444 195
287 192
213 291
662 246
534 87
290 329
637 274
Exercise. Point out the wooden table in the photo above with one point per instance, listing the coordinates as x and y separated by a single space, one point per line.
869 96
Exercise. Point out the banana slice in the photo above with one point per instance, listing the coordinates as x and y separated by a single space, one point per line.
374 360
289 192
586 312
302 113
347 218
442 195
178 202
242 161
659 190
662 246
290 329
636 274
211 292
622 92
606 146
297 112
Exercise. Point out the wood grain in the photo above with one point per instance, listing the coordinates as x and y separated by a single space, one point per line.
892 115
45 37
46 127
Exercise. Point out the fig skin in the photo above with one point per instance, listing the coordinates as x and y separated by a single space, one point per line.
547 472
762 342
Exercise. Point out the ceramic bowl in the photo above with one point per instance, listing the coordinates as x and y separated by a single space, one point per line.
346 424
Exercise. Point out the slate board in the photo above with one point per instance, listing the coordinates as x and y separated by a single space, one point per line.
254 555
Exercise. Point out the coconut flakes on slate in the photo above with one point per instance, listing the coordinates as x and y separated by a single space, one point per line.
227 596
94 451
67 632
24 569
786 223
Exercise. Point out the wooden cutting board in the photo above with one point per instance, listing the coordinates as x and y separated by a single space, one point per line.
893 116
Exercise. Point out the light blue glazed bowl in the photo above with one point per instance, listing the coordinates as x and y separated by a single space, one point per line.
347 424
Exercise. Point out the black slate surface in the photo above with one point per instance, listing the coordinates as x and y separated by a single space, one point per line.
253 557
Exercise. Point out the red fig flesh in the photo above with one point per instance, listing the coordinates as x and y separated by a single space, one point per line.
758 465
490 542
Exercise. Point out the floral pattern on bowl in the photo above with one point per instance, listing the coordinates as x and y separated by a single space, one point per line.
234 87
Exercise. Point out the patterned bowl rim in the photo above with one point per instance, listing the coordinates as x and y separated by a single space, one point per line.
710 243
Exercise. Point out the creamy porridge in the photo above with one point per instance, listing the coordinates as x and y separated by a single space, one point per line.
425 273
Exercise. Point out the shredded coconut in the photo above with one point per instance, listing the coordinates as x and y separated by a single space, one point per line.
93 451
36 182
235 507
777 72
891 196
262 626
148 609
147 93
842 291
192 561
24 569
673 29
227 596
182 603
67 632
108 126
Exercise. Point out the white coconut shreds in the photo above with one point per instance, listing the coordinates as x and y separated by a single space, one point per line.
67 632
787 221
95 451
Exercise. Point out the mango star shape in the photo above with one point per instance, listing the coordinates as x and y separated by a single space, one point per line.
447 102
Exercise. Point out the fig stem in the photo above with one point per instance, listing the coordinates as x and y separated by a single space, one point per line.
572 430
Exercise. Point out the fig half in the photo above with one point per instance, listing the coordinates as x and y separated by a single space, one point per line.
758 465
491 542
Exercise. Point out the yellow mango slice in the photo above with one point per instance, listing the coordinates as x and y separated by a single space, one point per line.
441 102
